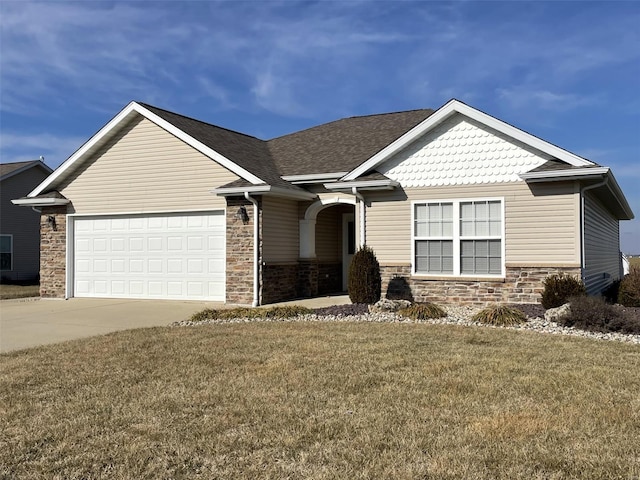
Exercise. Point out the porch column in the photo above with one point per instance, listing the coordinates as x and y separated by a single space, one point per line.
308 239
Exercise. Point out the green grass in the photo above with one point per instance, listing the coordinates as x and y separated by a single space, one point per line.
18 291
322 401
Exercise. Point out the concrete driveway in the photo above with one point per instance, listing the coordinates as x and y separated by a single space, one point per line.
29 323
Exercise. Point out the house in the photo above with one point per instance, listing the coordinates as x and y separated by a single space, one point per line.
19 227
457 205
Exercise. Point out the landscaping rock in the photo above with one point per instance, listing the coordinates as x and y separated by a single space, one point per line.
555 314
387 305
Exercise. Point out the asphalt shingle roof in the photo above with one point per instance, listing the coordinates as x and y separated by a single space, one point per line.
248 152
13 166
342 145
555 165
338 146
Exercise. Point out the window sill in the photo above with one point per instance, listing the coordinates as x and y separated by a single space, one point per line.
461 278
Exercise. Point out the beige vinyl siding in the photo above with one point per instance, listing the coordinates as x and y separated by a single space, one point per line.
22 223
329 235
146 169
601 244
542 225
280 230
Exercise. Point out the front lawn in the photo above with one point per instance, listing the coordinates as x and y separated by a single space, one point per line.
322 400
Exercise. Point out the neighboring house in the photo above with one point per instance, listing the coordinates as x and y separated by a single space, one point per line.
457 205
19 227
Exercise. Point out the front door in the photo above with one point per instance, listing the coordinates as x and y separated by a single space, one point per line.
348 246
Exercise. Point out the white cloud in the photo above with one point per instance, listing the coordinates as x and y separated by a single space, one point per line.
17 147
526 98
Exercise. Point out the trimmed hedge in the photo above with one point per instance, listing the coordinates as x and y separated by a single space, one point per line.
364 282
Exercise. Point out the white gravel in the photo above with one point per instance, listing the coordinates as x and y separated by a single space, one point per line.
456 315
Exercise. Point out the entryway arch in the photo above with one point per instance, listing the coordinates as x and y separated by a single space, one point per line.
308 224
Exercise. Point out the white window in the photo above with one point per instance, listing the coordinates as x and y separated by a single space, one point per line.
458 237
6 252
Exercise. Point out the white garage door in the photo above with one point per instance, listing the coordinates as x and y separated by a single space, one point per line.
178 256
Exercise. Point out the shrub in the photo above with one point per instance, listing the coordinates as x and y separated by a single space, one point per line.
285 311
629 290
343 310
364 277
500 315
422 311
559 288
594 314
281 312
610 293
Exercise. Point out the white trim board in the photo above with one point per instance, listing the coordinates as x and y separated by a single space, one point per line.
451 108
124 116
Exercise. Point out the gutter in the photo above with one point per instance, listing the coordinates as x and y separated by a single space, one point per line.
354 191
583 260
256 258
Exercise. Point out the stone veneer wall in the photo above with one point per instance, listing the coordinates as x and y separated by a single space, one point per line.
522 285
307 284
329 278
239 281
279 282
53 252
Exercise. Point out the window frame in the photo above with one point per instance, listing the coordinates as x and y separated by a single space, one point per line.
10 252
457 238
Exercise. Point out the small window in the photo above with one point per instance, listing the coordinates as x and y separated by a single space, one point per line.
458 237
351 237
6 252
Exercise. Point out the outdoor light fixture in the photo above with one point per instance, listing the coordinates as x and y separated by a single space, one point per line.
51 221
243 215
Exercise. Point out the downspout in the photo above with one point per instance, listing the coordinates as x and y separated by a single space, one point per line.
583 260
354 191
256 258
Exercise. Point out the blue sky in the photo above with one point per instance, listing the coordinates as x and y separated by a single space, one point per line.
566 72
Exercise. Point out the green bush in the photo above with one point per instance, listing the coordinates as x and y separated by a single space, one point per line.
629 290
595 314
364 282
559 288
422 311
500 315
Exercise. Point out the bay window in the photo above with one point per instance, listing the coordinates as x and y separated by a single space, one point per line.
458 237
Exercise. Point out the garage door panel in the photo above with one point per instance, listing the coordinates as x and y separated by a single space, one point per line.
157 256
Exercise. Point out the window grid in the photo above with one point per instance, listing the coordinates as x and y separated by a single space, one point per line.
469 242
433 232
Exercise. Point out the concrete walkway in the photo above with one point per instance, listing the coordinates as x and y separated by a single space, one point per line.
28 323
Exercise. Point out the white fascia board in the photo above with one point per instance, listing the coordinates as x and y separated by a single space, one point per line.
551 175
189 140
78 154
451 108
263 190
581 174
40 202
125 114
314 177
614 187
367 184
